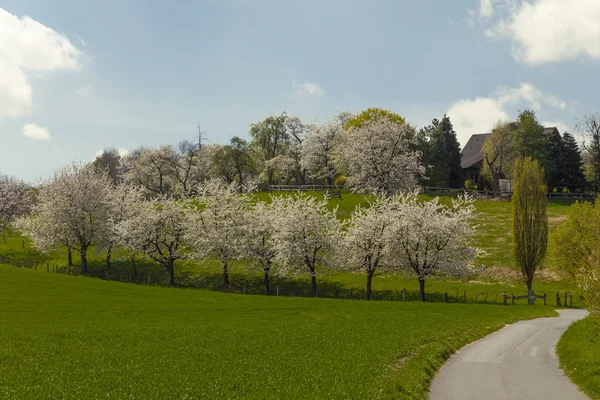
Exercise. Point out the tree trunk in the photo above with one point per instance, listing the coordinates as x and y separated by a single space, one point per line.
313 283
69 256
369 280
422 289
267 269
225 274
108 255
171 271
133 266
84 266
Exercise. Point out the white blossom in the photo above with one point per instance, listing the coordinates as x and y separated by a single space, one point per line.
218 216
367 242
378 157
305 234
157 229
15 200
259 242
318 149
72 209
428 238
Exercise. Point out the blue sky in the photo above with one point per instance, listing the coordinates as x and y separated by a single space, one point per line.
78 76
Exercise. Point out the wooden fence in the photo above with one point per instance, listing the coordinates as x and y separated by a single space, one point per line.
290 289
301 188
504 195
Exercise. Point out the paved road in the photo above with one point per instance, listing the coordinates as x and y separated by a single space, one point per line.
517 362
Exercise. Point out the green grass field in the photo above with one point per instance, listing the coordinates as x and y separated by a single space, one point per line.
74 337
579 352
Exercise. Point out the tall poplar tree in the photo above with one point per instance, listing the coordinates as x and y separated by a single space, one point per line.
529 218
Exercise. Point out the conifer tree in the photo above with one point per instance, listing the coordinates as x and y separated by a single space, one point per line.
571 165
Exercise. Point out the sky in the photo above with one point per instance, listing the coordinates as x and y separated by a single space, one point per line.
80 76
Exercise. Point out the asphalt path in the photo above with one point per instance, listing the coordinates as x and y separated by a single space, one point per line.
517 362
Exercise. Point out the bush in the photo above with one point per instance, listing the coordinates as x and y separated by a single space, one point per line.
340 181
469 184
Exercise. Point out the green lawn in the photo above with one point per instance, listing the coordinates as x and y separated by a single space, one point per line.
579 353
73 337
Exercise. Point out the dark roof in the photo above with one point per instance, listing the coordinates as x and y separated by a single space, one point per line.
551 130
471 154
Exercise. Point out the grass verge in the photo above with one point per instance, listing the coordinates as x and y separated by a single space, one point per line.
579 354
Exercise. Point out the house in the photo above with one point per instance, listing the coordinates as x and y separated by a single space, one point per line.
472 157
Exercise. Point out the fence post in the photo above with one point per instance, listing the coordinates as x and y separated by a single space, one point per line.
544 298
335 294
465 296
243 290
47 268
277 290
504 298
496 298
198 285
566 299
149 276
476 296
557 300
571 300
445 297
486 295
22 243
512 299
404 294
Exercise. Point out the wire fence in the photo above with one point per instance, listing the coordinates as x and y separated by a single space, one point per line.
253 285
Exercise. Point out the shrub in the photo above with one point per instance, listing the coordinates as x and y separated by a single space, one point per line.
340 181
469 184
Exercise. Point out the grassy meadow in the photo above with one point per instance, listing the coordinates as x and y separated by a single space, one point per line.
75 337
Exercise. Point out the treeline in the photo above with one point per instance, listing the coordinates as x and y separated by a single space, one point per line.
81 208
566 167
372 149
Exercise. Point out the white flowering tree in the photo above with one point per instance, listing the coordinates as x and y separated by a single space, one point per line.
157 229
429 238
72 209
122 198
318 149
367 241
14 200
216 225
259 241
305 234
377 156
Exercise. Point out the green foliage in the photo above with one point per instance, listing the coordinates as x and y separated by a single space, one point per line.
441 154
340 181
62 335
234 162
469 184
373 114
571 166
579 352
575 241
529 140
270 138
530 219
499 153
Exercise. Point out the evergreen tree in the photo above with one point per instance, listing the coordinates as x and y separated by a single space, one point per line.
529 139
571 165
442 153
554 161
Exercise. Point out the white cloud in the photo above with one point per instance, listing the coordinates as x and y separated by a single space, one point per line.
35 132
26 46
486 8
309 88
470 116
544 31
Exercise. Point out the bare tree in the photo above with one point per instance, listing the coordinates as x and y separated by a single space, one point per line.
589 129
